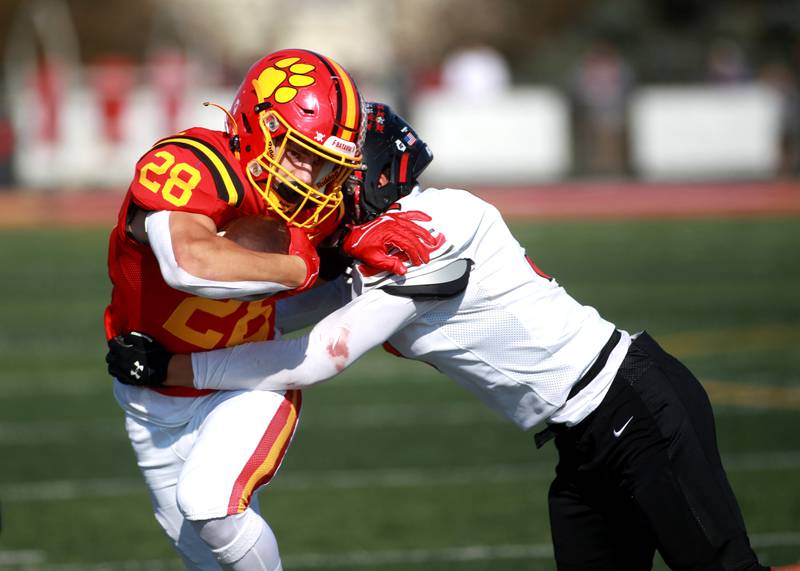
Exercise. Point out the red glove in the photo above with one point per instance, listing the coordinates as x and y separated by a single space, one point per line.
300 245
385 243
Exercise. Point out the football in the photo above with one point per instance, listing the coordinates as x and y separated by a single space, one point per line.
258 233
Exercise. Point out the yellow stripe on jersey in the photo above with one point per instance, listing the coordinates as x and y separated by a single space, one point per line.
234 191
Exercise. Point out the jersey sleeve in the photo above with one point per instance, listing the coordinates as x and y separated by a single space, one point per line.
185 174
160 239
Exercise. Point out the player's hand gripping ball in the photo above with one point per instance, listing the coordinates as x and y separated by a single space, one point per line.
272 236
259 233
301 246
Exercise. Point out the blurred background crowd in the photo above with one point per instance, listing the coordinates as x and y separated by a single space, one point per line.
507 92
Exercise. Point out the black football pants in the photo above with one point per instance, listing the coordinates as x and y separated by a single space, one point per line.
643 473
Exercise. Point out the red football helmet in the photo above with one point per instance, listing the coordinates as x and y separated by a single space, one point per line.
304 102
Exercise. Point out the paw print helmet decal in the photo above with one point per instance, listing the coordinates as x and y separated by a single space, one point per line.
298 103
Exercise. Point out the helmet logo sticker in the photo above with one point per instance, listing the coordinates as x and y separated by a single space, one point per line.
341 145
272 80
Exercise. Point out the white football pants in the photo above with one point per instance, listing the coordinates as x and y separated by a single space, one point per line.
208 470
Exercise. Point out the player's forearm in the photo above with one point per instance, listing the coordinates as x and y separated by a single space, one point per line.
298 311
195 281
271 365
179 371
199 251
233 368
219 259
330 347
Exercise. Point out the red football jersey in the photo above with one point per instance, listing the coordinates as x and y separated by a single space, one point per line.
194 171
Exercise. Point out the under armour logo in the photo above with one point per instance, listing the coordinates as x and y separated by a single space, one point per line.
138 369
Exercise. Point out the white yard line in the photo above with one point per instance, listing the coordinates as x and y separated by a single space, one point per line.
53 490
350 416
373 559
301 480
21 558
471 553
130 565
783 400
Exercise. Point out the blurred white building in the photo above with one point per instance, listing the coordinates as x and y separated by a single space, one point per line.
81 126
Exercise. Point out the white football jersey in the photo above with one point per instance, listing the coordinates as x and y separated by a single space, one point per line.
513 337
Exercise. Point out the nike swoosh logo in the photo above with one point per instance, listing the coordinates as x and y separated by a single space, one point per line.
618 433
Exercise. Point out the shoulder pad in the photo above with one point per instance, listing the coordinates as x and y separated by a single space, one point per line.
229 186
441 283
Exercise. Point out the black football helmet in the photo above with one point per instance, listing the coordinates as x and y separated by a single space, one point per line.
392 148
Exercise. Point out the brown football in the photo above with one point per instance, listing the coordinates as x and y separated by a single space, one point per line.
259 233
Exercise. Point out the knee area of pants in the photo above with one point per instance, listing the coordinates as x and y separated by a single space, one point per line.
230 537
196 498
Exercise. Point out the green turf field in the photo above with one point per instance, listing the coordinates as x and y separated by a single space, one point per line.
393 467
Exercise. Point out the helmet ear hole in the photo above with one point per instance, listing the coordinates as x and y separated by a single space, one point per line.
234 144
246 123
385 177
